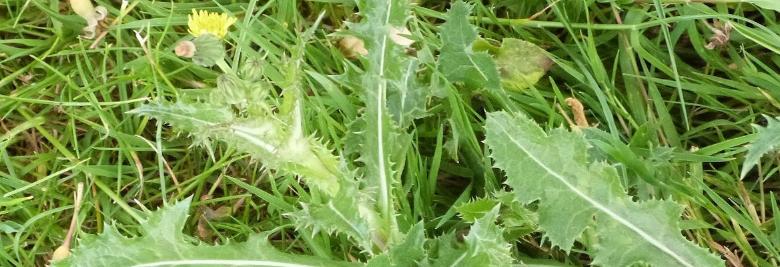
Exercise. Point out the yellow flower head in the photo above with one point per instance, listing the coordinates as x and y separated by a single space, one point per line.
202 22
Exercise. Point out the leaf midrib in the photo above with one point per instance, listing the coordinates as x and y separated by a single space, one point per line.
596 204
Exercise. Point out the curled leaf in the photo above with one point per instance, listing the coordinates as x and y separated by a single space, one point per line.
352 47
399 36
520 63
90 13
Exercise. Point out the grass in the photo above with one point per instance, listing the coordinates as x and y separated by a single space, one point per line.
677 117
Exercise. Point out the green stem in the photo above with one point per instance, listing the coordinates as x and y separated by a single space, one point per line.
528 23
224 66
114 196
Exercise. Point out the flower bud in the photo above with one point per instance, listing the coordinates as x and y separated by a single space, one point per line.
185 49
232 89
252 69
208 50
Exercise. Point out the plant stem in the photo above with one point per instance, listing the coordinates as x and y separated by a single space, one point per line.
528 23
224 66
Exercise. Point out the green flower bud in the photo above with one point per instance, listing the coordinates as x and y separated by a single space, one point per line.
252 69
208 50
232 89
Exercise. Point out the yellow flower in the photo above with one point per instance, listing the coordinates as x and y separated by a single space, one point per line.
202 22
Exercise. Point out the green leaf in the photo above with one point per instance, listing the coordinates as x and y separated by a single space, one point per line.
411 252
268 140
516 219
775 236
553 168
347 214
449 253
162 243
767 4
458 61
407 100
384 73
483 246
475 209
520 63
486 242
768 141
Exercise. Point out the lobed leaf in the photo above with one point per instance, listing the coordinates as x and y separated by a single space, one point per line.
347 213
406 101
485 241
384 73
410 252
267 139
768 140
162 243
574 194
458 61
483 246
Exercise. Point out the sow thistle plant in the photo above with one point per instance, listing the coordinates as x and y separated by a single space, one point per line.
362 200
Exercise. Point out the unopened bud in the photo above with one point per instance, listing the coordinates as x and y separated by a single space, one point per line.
252 69
209 50
185 49
232 88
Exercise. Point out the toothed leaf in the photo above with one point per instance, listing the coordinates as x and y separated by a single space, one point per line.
344 214
268 140
450 253
162 243
383 74
553 168
486 241
767 141
483 246
458 61
410 252
407 101
475 209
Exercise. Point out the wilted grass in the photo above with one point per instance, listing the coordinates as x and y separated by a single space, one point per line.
675 113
